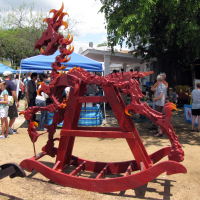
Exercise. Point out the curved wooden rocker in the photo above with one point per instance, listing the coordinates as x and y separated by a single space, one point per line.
99 184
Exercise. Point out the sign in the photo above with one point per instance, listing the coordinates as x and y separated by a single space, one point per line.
188 114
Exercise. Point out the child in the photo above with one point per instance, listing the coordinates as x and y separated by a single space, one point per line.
4 110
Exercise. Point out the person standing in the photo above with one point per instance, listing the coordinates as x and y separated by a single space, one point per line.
25 81
159 100
18 83
154 88
195 96
4 110
41 102
31 92
12 110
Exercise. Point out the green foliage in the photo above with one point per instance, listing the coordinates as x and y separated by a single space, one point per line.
155 27
102 44
20 28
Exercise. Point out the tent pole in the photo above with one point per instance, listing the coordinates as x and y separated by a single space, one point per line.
18 87
104 104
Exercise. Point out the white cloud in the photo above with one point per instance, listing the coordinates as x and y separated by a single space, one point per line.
85 12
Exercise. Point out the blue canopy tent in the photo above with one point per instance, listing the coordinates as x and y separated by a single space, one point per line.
4 68
42 62
26 71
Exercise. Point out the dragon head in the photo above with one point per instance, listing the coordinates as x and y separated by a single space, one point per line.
50 38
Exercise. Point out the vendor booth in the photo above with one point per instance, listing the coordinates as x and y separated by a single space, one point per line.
42 62
4 68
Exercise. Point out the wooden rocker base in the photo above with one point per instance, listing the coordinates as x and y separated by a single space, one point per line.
101 184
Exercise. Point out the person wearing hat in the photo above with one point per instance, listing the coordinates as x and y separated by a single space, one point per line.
12 111
172 96
154 88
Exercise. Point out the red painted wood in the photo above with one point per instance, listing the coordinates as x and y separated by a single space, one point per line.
78 169
100 134
99 128
92 99
103 172
105 185
69 111
126 124
147 162
77 111
56 165
129 170
66 143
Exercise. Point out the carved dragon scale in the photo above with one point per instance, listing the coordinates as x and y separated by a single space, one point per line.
77 79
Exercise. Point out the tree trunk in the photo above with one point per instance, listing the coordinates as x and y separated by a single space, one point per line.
193 76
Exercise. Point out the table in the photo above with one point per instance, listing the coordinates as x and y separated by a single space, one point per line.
91 116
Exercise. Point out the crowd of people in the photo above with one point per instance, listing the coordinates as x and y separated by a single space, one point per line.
160 98
11 91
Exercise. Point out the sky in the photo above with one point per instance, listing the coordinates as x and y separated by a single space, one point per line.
91 25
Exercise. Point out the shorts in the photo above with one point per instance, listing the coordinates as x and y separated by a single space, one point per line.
4 112
195 112
12 111
159 108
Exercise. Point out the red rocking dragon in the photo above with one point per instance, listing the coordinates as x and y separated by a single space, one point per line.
69 111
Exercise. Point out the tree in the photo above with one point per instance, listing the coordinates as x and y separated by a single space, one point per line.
20 28
102 44
156 28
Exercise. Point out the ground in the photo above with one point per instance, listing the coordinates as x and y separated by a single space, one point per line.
35 186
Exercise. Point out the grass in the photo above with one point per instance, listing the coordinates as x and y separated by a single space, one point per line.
5 62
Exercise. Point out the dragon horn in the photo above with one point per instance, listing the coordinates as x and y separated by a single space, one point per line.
52 11
169 103
171 107
22 112
69 48
60 73
66 60
64 24
126 111
58 12
45 20
40 90
68 35
70 41
71 51
33 124
41 49
63 67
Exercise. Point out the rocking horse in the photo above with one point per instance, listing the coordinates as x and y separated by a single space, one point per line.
69 111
